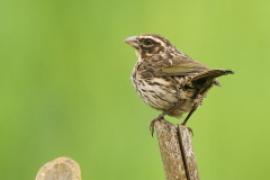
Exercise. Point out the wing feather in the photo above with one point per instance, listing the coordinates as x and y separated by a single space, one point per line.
183 65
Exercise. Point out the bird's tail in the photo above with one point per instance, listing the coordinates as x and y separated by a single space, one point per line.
212 74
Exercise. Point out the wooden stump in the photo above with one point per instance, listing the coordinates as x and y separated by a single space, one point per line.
176 151
62 168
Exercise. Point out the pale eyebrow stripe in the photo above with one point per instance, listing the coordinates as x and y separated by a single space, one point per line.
155 39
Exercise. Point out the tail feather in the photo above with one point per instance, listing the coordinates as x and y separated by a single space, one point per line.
212 74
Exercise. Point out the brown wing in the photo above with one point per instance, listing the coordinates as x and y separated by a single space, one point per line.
182 66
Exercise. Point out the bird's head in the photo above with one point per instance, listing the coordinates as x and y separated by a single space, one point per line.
150 44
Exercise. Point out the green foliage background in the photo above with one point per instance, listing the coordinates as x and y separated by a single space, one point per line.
66 90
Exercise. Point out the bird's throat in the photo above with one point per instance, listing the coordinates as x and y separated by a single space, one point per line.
138 54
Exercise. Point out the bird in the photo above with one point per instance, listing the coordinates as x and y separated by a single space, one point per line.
169 80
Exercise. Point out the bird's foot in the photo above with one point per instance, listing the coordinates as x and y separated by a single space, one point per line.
152 124
189 129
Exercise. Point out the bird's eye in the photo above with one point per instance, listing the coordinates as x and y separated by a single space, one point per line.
148 42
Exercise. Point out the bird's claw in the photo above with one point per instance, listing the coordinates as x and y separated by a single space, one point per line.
152 124
189 129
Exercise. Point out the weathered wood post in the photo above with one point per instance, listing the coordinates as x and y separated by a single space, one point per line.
176 151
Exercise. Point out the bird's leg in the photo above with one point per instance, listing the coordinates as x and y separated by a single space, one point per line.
152 124
197 102
161 116
188 116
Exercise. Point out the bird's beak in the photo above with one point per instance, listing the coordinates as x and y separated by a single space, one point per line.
132 40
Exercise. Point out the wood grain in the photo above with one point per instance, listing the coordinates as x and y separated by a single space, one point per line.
175 144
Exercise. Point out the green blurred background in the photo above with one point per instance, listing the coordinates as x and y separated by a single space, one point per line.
66 90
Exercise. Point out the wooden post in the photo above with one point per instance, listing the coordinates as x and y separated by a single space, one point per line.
62 168
176 151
